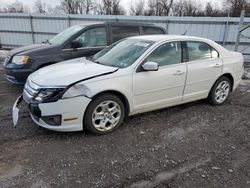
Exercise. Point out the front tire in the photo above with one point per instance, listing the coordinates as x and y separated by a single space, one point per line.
220 91
104 114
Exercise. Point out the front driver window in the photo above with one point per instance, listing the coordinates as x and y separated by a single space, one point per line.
93 38
166 54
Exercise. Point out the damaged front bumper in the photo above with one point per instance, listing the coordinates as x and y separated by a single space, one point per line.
15 110
65 115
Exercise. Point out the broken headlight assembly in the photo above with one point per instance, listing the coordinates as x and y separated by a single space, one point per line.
54 94
49 94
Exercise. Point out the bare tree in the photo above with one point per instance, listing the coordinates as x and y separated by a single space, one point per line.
70 6
178 8
159 7
213 11
17 7
154 8
166 5
117 9
86 6
209 10
187 8
78 6
191 8
3 10
235 6
138 8
56 10
99 7
110 7
40 6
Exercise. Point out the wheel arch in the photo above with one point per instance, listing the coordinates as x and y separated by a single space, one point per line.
118 94
230 77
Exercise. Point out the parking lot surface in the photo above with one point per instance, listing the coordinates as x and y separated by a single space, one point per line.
191 145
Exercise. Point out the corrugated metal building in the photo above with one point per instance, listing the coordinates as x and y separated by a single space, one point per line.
23 29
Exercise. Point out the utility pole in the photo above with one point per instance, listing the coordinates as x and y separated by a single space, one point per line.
242 15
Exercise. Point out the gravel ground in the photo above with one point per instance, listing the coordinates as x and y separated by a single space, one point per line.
191 145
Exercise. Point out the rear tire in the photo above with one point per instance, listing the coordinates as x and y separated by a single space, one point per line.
220 91
104 114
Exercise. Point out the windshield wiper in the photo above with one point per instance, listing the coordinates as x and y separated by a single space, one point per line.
98 62
90 58
47 41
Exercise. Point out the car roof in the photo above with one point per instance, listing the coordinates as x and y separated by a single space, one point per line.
119 23
158 38
129 23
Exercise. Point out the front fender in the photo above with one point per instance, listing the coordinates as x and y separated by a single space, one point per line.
120 84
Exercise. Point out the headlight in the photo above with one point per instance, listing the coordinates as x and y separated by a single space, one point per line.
20 60
49 94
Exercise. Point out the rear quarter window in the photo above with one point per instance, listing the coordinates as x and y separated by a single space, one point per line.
120 32
152 31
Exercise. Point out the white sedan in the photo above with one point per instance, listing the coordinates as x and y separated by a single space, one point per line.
132 76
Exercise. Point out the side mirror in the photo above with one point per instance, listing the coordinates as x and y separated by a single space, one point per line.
76 44
150 66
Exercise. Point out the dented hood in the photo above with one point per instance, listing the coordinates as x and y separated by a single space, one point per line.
68 72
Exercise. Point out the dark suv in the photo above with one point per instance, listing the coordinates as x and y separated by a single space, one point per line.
76 41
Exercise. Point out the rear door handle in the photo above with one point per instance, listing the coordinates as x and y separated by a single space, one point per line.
179 72
217 65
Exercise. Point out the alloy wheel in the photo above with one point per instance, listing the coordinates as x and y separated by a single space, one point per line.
222 91
106 115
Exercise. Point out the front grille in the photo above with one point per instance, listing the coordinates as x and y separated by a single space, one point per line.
30 90
12 79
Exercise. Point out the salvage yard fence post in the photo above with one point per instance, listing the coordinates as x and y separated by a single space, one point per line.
31 29
69 21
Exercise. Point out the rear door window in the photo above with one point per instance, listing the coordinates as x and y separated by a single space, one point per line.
152 30
120 32
200 51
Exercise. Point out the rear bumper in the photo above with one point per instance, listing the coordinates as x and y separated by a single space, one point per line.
71 111
236 84
17 75
238 78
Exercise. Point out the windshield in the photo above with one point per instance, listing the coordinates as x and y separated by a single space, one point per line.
62 37
123 53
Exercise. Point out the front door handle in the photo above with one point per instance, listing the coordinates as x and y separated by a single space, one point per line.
179 72
217 65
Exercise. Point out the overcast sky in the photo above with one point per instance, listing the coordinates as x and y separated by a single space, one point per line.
125 3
